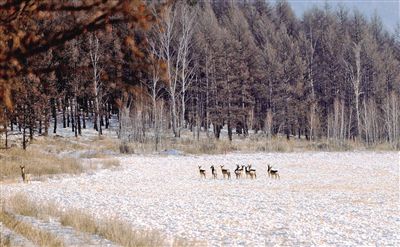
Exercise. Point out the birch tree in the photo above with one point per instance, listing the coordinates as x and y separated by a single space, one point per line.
154 85
187 17
165 35
355 80
95 55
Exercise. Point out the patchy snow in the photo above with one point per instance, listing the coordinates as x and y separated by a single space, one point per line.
13 238
68 235
322 198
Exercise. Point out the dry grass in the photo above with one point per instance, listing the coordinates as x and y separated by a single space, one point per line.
105 144
36 163
37 236
214 146
110 163
21 205
42 156
181 242
5 241
113 229
253 143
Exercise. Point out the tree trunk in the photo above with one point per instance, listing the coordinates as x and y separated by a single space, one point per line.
24 129
6 133
40 125
356 86
83 119
63 115
78 119
46 121
72 114
54 112
229 130
174 117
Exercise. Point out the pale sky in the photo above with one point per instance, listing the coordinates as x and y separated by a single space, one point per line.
388 10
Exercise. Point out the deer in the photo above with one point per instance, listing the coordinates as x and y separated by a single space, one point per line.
238 171
213 172
202 172
273 173
247 171
251 172
225 172
26 177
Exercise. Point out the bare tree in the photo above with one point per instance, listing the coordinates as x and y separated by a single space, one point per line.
165 34
155 86
355 80
187 17
95 55
392 119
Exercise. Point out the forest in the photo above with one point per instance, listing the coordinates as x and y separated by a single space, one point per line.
244 67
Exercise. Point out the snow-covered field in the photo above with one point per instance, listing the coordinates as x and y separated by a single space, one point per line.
342 199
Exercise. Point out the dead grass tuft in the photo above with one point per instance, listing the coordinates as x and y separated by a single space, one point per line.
182 242
252 143
37 236
21 205
110 163
36 163
42 156
112 229
128 148
5 241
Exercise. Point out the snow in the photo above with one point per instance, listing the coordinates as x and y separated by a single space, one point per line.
322 198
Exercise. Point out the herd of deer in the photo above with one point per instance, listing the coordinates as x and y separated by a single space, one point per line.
239 171
247 170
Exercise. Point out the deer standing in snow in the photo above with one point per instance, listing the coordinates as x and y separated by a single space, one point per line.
247 171
238 171
225 172
213 172
252 172
273 173
26 177
202 172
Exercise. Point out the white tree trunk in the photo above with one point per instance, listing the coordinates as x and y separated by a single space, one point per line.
94 58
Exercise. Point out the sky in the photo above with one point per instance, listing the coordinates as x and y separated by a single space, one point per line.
387 10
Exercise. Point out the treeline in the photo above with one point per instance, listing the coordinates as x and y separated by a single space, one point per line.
243 66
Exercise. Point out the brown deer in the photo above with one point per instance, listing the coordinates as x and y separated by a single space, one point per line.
273 173
213 172
238 171
202 172
225 172
252 172
247 171
26 177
